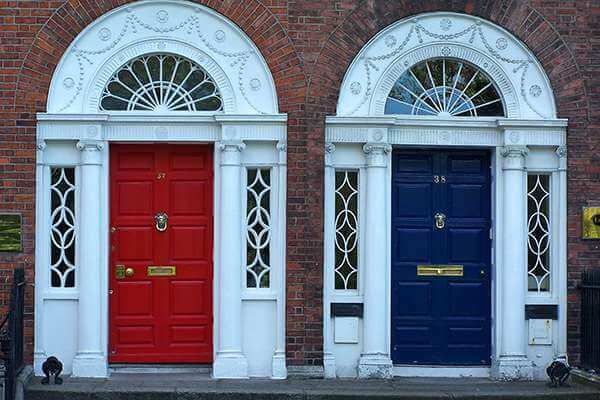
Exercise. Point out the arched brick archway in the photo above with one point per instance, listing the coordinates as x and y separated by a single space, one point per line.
30 90
526 22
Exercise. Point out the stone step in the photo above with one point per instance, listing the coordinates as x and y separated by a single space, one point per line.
194 387
160 369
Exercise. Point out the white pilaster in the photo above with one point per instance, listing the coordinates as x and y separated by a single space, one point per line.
329 232
41 231
279 363
90 360
375 360
561 153
230 361
513 363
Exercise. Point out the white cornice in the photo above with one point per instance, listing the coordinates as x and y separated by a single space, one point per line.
433 131
467 122
165 127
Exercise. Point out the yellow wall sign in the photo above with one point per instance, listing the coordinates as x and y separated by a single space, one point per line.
10 232
161 270
591 222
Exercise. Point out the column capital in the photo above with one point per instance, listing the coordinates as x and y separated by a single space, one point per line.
514 151
561 153
40 144
329 150
377 154
90 145
40 147
282 152
90 151
514 157
231 145
231 151
282 146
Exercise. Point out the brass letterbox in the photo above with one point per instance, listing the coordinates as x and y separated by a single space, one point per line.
162 270
440 270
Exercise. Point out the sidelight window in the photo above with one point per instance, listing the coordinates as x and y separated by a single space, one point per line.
444 87
258 228
346 230
161 82
538 232
62 227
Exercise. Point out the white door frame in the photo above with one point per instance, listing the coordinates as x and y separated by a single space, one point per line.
529 138
546 153
249 130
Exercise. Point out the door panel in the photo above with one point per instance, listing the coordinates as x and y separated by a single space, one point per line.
442 320
157 319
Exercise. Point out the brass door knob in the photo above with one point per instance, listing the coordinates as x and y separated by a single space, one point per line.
161 220
129 272
440 220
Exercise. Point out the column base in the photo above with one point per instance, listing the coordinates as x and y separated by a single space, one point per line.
38 360
230 365
90 365
512 368
279 366
329 366
378 366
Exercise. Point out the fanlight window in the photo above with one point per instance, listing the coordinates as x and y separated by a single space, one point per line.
444 87
161 82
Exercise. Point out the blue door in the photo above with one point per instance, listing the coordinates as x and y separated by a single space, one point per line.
438 316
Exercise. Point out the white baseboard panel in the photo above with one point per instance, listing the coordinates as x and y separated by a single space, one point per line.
432 371
160 369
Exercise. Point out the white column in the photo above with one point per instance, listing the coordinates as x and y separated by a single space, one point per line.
513 362
41 253
561 273
279 364
230 361
90 359
329 261
375 360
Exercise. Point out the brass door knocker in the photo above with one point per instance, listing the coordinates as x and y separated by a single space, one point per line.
161 219
440 220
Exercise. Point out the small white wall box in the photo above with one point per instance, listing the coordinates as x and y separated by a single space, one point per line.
540 331
345 329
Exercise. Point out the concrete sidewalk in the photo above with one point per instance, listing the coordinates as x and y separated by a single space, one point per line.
189 386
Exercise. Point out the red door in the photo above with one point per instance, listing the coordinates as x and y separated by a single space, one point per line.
161 275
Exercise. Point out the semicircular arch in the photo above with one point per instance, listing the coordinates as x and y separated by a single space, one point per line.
523 84
171 27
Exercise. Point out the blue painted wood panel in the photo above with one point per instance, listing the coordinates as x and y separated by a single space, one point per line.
441 320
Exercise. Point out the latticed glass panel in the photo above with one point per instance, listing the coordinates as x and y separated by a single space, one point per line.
258 228
62 227
444 87
161 82
538 226
346 230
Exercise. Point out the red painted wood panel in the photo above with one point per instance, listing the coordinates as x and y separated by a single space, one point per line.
160 319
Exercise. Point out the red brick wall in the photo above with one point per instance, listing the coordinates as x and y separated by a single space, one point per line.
308 45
